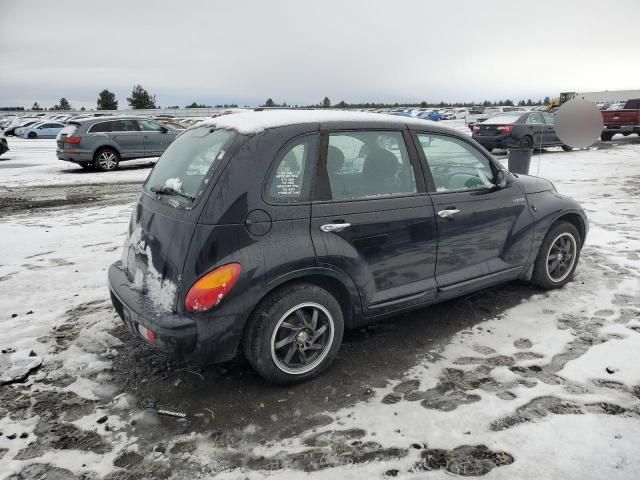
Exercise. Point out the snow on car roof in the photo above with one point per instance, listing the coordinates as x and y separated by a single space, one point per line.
252 122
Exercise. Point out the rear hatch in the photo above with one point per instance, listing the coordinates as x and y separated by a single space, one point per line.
153 254
165 217
621 117
66 132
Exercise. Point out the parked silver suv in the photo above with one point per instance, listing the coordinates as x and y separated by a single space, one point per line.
102 143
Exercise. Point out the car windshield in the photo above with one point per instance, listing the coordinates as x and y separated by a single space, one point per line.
502 119
181 170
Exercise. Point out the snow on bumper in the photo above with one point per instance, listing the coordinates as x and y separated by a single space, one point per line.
170 332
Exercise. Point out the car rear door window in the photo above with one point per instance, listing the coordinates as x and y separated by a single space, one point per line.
103 127
456 165
549 118
288 177
535 119
368 164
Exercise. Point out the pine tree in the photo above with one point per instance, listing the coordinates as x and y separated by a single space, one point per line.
63 105
529 102
83 109
326 103
141 99
36 106
269 102
107 100
547 100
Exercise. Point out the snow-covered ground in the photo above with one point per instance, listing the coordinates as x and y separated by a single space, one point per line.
549 388
34 162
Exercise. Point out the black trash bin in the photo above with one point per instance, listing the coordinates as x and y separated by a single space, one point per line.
520 160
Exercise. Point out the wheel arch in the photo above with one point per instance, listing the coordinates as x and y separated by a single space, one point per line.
337 283
575 220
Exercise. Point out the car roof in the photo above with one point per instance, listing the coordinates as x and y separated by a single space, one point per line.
107 119
253 122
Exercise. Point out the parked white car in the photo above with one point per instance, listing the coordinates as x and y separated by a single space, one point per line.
472 119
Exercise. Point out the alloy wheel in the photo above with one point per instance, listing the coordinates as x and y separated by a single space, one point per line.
302 338
108 160
561 257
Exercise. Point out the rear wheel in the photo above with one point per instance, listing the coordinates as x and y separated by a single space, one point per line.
106 159
526 142
558 256
294 334
32 135
567 148
606 136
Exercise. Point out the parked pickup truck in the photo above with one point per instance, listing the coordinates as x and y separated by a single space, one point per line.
625 121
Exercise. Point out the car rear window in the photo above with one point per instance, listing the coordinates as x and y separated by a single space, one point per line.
502 119
181 171
69 130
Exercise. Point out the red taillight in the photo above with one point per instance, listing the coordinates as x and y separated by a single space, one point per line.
73 140
505 129
475 129
209 290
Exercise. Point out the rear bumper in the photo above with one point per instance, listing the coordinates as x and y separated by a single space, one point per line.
490 141
215 337
73 156
621 129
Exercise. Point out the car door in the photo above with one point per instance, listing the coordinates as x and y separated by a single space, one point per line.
372 219
126 136
481 229
550 136
48 130
154 137
536 128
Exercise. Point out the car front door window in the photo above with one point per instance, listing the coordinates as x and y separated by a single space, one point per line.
456 165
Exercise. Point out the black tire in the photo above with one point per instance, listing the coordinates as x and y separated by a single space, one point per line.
276 320
606 136
106 160
544 273
567 148
86 165
32 135
526 142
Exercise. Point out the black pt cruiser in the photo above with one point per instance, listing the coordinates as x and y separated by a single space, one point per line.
269 233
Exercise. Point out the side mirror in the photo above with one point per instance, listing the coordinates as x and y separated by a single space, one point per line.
165 130
501 179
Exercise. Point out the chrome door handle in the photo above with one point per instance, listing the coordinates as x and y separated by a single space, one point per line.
448 212
334 227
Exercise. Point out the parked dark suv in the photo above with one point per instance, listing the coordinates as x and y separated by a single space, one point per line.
103 142
271 232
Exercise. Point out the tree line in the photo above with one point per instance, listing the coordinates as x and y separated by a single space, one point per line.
141 99
326 103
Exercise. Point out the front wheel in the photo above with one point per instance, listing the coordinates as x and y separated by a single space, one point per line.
294 334
32 135
558 257
567 148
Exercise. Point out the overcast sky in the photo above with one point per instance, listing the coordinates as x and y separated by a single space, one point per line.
299 51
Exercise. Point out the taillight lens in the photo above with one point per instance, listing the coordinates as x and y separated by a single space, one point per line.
209 290
505 129
476 129
73 140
